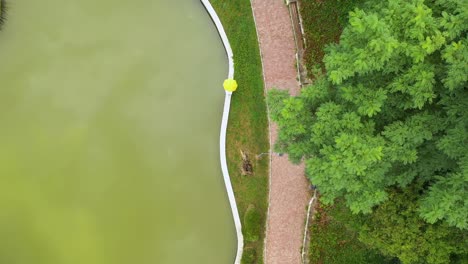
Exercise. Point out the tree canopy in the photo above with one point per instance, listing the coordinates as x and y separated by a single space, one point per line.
396 230
390 111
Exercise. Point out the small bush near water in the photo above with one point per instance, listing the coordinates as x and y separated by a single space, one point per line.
249 256
252 223
3 8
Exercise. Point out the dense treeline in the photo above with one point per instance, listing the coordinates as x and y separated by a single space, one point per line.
385 129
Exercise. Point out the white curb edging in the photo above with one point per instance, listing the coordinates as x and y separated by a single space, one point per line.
306 227
222 139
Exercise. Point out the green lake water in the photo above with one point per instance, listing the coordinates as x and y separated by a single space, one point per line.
109 126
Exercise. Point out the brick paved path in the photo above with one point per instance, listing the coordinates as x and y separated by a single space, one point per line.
289 193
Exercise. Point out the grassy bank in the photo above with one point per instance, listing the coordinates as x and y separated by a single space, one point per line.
248 125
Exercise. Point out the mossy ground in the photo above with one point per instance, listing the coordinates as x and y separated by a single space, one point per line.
323 21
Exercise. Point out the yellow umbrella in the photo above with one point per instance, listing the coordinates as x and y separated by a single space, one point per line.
230 85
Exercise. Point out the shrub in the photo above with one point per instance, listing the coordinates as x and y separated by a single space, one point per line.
249 256
252 224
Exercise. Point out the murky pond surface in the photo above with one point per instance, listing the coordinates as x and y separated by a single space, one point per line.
109 124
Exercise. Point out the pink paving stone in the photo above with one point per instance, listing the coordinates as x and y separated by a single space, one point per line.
289 192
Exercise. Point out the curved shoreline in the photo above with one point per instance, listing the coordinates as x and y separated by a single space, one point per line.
224 123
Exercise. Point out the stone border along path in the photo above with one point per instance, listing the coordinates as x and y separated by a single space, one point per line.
222 138
306 236
289 193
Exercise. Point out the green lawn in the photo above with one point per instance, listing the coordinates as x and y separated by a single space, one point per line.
248 125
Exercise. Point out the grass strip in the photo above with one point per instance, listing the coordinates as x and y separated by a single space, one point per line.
248 125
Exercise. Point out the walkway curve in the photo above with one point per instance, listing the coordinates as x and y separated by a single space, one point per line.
224 124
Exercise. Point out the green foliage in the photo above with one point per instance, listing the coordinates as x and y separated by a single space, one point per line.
252 224
249 256
396 230
447 194
391 110
334 242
